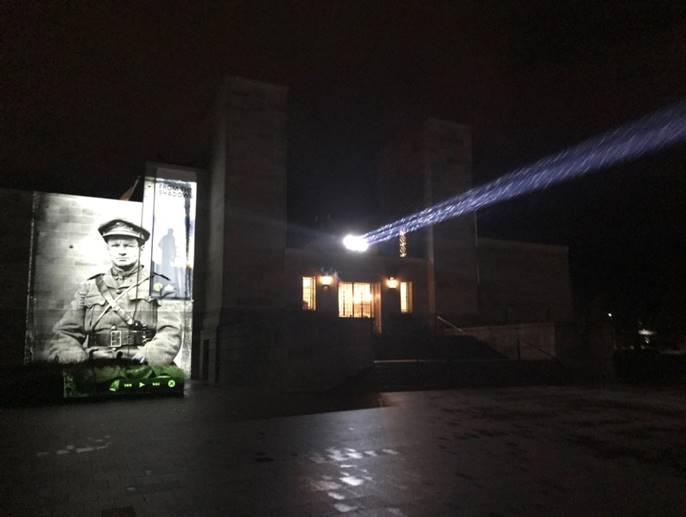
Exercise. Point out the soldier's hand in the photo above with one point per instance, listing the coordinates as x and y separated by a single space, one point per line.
102 353
76 355
139 355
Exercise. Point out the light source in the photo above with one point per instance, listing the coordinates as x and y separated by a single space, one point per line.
392 282
326 279
355 243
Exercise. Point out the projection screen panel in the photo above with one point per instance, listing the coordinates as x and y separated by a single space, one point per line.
110 291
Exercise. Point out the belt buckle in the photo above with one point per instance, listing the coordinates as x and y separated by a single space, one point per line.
115 338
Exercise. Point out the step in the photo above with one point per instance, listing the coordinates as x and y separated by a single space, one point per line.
404 374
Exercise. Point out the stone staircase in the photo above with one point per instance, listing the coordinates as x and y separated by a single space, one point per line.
455 361
409 374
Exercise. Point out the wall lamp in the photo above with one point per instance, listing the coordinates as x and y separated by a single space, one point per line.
326 280
392 282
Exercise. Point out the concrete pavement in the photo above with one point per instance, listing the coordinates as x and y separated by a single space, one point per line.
534 451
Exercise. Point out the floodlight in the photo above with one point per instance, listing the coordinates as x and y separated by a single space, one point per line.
355 243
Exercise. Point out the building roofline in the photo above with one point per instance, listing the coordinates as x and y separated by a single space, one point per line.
503 243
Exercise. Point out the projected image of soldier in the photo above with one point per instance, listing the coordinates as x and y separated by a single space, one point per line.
119 314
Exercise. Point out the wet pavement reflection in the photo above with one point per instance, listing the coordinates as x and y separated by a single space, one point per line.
537 451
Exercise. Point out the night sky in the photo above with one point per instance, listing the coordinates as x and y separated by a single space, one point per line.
88 93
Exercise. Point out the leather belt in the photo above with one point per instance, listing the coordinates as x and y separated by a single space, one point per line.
117 338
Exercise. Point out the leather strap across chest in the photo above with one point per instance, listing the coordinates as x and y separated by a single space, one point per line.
112 302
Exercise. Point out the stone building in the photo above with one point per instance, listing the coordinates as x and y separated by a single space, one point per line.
315 314
267 314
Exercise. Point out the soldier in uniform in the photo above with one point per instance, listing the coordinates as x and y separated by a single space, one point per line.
115 315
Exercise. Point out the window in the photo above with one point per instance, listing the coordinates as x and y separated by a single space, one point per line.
309 293
355 300
406 297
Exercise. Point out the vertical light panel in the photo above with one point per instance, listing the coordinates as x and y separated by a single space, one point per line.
362 295
309 299
169 206
169 211
345 299
405 297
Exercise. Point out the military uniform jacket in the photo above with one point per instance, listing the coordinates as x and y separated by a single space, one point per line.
83 326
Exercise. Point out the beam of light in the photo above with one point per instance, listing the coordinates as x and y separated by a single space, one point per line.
355 243
633 140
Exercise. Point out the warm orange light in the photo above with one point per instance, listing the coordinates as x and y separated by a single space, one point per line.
326 279
392 283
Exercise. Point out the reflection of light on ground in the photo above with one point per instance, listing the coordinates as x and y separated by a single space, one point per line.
93 444
352 480
341 488
332 454
320 486
353 453
344 508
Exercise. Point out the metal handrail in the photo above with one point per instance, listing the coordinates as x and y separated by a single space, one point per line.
450 324
544 352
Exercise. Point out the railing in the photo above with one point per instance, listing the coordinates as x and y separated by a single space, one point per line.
514 353
528 345
449 324
550 356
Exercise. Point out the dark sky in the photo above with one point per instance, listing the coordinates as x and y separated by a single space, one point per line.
91 90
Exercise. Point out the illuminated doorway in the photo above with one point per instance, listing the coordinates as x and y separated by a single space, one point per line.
355 300
360 300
